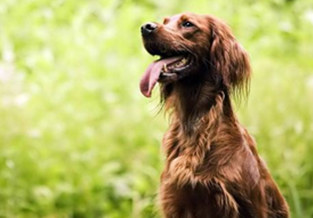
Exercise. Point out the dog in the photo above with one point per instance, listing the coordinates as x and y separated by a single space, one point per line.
212 167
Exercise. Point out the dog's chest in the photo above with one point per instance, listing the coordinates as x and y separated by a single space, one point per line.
202 200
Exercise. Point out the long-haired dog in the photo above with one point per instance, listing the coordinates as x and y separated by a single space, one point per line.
212 166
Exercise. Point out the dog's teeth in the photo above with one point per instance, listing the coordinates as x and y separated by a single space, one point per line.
165 68
181 62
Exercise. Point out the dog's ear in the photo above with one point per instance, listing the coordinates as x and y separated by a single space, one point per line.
228 58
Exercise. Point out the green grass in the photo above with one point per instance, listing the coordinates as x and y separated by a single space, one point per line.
78 139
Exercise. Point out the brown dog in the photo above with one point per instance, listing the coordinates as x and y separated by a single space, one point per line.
212 167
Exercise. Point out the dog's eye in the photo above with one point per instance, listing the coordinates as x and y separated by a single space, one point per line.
187 24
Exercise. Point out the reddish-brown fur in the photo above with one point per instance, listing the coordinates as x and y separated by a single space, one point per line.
212 167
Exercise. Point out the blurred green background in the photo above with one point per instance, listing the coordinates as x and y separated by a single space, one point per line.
78 139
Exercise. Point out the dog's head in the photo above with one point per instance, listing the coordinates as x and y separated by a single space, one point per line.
190 45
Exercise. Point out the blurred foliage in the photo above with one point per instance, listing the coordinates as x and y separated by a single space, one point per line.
78 139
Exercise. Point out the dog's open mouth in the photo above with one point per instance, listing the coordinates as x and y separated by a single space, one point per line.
164 70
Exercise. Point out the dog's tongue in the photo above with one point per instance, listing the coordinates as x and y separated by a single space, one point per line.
152 74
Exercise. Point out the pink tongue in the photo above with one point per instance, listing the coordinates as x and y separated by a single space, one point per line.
152 74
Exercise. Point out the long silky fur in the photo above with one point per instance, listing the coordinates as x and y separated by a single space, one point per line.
212 168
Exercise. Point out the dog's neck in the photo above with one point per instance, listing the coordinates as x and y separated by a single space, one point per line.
192 100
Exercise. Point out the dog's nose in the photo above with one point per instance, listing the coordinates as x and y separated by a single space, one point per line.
148 28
